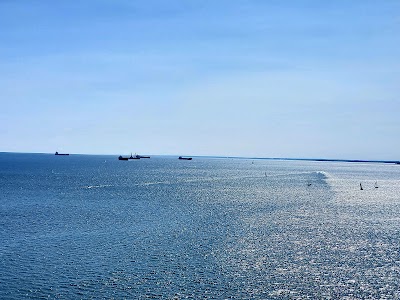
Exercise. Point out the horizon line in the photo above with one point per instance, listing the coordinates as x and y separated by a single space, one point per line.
240 157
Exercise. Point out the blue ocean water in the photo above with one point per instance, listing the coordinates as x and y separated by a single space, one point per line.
93 227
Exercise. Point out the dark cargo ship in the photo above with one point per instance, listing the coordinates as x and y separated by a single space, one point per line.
185 158
61 153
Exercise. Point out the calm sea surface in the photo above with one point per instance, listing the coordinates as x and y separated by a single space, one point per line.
93 227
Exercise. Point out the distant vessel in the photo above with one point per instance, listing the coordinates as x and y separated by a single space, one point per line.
122 158
134 157
376 184
61 153
185 158
141 156
361 188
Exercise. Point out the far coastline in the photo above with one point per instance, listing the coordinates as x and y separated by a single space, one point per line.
237 157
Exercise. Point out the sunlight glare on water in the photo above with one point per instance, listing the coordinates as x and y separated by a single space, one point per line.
95 227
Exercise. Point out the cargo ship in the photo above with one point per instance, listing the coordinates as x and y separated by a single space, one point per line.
185 158
61 153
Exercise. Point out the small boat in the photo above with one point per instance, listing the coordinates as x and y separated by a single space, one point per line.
376 184
185 158
122 158
361 188
61 153
309 184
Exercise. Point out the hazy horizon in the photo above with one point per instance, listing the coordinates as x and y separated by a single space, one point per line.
298 79
317 159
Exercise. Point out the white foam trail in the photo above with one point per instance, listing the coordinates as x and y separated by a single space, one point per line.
96 186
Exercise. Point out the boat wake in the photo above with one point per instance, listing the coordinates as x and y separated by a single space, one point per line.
319 174
96 186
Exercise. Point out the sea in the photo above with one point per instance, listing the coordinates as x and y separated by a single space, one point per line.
94 227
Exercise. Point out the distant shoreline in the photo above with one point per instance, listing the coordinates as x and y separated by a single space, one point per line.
325 160
242 157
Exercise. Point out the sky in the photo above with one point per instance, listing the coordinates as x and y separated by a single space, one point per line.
255 78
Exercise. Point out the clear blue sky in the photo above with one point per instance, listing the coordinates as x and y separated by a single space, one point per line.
243 78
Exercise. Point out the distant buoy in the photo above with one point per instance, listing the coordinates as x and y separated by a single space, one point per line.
361 188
